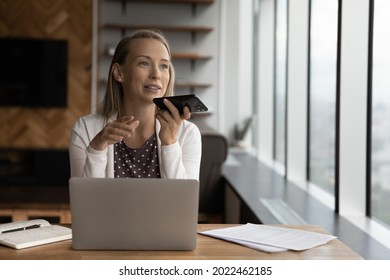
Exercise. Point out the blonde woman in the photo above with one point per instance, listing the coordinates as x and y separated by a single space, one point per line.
129 136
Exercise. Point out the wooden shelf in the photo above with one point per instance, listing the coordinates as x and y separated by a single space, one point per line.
109 52
204 2
191 85
193 56
177 84
160 27
164 28
193 3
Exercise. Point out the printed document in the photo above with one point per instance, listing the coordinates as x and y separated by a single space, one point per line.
270 238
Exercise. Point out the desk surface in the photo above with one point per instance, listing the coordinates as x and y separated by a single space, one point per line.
207 249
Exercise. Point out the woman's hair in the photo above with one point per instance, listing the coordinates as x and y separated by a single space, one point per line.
114 92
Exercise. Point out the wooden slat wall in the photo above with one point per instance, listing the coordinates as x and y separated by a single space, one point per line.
57 19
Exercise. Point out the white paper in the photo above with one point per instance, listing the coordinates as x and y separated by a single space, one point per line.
276 239
21 224
24 238
256 246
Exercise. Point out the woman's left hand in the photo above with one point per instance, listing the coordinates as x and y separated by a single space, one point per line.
170 122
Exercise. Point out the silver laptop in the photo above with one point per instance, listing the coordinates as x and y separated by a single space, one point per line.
134 214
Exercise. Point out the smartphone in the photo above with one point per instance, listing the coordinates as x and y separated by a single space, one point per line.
180 101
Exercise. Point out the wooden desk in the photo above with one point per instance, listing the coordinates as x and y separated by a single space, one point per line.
207 249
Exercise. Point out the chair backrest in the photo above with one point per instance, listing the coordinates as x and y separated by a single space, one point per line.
214 153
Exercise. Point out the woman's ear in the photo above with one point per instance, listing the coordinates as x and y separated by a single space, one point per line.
116 72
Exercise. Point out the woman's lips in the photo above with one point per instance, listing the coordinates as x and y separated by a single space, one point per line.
153 87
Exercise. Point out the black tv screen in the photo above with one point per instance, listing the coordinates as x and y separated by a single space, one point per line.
33 72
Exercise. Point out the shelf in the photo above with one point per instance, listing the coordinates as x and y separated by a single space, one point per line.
191 85
109 52
192 56
160 27
205 2
193 3
163 28
177 84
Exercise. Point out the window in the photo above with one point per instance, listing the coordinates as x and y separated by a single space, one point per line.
322 93
280 82
380 126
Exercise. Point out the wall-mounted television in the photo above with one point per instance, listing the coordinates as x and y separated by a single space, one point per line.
33 72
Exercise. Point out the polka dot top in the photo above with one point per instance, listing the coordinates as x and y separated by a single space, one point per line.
137 163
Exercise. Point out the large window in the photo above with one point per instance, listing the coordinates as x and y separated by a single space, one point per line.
380 133
280 81
322 93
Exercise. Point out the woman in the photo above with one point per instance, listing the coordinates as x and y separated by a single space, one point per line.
129 136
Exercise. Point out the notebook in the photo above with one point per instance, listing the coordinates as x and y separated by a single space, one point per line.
134 214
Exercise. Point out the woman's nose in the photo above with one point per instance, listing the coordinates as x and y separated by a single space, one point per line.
155 72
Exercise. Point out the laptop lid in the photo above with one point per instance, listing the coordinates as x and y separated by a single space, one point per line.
134 214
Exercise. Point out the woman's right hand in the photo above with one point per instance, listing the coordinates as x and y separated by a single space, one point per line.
114 132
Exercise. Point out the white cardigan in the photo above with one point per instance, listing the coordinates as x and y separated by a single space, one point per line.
180 160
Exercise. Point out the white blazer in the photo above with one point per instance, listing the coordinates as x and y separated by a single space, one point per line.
180 160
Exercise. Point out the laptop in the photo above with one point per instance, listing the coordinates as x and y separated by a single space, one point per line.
134 214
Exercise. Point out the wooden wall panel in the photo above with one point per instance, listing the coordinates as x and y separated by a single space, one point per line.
56 19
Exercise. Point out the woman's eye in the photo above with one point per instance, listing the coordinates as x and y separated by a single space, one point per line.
144 63
164 66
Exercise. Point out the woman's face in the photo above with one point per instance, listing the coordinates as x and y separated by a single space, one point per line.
145 73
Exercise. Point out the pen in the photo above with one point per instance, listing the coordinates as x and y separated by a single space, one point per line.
23 228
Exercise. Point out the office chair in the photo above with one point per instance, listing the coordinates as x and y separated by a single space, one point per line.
211 194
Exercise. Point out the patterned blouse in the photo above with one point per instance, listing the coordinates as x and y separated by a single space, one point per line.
137 163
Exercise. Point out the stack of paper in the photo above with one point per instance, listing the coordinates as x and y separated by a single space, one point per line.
270 238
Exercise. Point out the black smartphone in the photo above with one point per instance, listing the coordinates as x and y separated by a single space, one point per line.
180 101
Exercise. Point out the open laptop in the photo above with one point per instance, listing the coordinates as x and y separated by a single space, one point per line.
134 214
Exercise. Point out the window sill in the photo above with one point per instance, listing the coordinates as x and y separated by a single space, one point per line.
253 180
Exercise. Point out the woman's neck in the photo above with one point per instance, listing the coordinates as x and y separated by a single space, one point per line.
146 127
